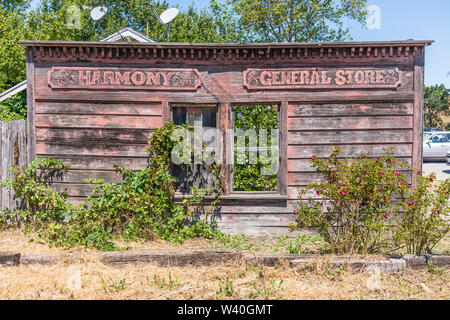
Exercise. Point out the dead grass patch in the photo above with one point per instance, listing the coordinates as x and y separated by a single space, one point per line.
88 278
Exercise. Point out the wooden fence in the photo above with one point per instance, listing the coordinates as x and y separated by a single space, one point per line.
13 153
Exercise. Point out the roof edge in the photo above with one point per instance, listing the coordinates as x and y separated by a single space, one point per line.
33 43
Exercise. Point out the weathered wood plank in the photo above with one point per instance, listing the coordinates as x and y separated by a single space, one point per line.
31 120
74 136
418 114
6 163
92 149
350 109
98 121
79 176
304 178
304 165
101 162
348 137
282 175
306 152
354 123
102 108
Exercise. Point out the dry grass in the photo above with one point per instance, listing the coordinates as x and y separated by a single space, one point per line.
90 279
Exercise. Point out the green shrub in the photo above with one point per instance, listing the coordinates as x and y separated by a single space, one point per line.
141 207
425 218
366 205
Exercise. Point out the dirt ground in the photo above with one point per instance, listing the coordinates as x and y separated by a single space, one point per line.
88 278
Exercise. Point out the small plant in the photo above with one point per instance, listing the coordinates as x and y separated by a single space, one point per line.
266 291
352 207
163 284
232 241
113 286
366 205
425 215
141 207
226 288
433 269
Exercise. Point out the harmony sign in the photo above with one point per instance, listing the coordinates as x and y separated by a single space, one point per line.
121 78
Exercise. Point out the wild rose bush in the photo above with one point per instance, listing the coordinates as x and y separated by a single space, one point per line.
358 205
425 217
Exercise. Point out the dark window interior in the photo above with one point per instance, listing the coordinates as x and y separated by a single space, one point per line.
197 119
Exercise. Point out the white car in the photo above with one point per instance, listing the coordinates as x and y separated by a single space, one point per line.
436 146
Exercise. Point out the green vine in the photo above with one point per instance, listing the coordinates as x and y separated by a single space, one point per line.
142 207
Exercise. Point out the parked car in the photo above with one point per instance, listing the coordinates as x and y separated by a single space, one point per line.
448 158
436 146
431 129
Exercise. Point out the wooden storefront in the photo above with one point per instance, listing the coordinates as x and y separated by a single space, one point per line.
94 104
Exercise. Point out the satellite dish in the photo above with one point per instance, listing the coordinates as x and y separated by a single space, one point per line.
165 18
168 15
98 12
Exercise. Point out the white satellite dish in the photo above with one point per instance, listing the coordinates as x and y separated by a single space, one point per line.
168 15
98 12
165 18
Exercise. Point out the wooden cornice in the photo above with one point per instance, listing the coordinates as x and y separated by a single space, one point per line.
49 50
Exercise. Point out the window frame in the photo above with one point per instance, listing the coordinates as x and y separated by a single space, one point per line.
224 123
282 159
179 193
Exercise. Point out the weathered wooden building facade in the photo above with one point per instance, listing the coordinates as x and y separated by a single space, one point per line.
94 104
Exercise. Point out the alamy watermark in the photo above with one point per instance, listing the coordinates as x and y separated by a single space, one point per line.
373 17
249 147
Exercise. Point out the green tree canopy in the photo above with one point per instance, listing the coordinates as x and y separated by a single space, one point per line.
437 105
292 20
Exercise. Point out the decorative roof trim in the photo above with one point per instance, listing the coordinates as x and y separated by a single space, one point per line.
207 51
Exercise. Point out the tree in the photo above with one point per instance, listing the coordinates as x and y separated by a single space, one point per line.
68 20
437 105
292 20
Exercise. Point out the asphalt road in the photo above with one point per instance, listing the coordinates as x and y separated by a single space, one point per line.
441 169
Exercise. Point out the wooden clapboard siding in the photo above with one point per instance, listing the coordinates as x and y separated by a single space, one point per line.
92 148
97 121
355 123
304 165
349 109
79 176
273 225
303 178
101 108
92 137
73 136
356 128
306 152
349 137
95 162
94 129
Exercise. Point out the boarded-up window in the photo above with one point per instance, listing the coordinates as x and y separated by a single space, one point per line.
201 123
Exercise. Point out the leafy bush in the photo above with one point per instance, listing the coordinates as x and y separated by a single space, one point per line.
142 206
14 108
365 205
425 216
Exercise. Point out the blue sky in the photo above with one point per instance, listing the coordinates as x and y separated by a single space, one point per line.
401 20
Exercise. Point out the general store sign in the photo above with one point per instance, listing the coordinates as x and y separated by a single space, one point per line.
321 78
123 78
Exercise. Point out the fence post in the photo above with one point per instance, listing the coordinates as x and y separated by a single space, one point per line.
13 154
